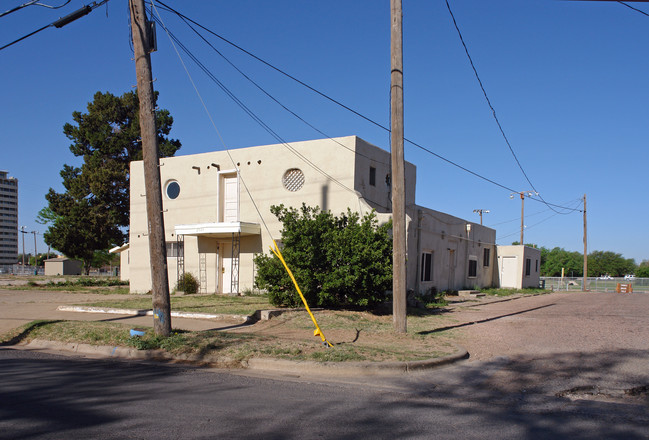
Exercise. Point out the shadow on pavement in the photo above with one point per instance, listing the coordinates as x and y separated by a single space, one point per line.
55 397
494 318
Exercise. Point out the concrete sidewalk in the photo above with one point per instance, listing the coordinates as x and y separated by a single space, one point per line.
19 307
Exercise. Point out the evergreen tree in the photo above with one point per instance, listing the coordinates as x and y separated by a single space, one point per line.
93 212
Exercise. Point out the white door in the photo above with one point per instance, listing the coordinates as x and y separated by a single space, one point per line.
508 272
230 199
451 269
226 275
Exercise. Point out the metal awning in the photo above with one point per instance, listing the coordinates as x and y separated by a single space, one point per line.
218 230
118 249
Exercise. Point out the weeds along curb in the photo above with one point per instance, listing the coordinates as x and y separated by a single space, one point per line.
120 352
262 364
354 368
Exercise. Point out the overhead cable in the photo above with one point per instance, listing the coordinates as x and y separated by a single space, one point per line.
85 10
32 3
252 114
493 111
357 113
635 9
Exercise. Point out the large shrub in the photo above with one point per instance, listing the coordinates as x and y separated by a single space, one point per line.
343 261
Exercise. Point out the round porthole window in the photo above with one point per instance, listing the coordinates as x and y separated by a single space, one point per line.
173 189
293 179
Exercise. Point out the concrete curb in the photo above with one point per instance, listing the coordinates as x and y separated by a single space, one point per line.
134 312
258 364
354 368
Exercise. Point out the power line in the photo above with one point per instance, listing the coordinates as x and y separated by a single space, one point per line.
635 9
357 113
273 98
85 10
493 111
32 3
249 112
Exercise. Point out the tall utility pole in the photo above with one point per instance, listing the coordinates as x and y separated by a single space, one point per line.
398 171
522 215
583 288
157 246
523 194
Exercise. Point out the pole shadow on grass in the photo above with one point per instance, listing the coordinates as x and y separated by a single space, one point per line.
23 334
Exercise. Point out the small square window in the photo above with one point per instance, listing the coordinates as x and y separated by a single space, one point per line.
174 249
372 176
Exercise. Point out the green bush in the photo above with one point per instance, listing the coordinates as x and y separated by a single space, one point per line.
188 283
343 261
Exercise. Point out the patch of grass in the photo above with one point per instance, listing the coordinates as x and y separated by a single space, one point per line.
509 292
234 305
104 285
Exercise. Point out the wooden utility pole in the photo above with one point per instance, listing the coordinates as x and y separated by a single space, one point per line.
157 244
522 215
398 171
584 288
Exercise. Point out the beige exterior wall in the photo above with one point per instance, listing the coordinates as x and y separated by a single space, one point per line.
451 243
62 266
338 174
513 262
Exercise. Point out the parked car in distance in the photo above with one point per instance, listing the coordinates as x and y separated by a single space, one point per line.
629 277
605 277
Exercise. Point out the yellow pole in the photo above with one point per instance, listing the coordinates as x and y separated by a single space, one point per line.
317 331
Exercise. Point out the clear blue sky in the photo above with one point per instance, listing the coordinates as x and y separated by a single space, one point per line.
568 80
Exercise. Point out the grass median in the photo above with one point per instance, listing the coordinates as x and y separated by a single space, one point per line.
357 336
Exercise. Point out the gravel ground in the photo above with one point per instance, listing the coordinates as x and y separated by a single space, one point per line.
577 345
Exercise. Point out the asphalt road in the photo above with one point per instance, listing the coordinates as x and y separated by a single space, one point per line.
554 366
51 397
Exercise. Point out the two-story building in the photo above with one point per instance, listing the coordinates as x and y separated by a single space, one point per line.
214 202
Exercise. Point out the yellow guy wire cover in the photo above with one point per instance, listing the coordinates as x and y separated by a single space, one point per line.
317 331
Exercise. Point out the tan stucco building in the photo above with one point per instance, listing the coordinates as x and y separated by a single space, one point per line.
213 228
62 266
518 266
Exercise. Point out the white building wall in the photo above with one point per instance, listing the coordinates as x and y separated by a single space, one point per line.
513 264
452 245
337 175
332 180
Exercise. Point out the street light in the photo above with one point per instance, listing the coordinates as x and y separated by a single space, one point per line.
481 211
522 194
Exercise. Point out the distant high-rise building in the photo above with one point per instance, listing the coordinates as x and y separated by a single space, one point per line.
8 219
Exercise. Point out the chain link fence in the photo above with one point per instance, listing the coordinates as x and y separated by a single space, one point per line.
640 285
